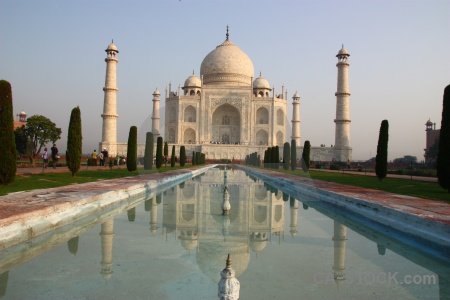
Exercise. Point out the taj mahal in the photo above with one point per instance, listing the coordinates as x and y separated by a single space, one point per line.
226 112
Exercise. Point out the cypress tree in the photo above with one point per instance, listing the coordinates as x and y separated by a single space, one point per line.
198 158
443 158
8 152
166 152
159 152
193 158
148 154
74 142
132 149
182 156
293 155
277 157
286 156
382 150
269 157
172 158
306 156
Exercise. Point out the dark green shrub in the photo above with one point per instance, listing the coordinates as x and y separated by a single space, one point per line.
293 155
335 166
193 158
182 156
159 152
443 158
132 149
74 142
7 139
286 156
172 157
305 156
148 155
382 150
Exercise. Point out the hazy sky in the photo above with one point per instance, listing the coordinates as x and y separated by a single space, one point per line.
52 53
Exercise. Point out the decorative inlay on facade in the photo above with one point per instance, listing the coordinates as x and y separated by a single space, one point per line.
233 101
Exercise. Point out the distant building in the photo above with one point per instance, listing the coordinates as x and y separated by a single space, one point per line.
21 119
432 137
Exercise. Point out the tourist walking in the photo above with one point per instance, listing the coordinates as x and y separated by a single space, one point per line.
105 156
94 157
44 159
100 157
55 155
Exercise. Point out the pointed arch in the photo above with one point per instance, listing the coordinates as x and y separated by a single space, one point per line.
262 116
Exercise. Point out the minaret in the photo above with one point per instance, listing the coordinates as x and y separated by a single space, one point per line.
109 131
296 118
339 241
342 134
155 116
107 234
294 218
228 286
154 216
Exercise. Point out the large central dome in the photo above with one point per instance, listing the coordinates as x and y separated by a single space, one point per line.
227 65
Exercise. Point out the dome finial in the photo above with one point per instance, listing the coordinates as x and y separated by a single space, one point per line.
259 73
193 72
227 33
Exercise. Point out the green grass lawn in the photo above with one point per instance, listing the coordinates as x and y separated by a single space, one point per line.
50 180
427 190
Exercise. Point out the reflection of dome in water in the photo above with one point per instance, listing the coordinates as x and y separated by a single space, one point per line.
258 245
212 253
188 243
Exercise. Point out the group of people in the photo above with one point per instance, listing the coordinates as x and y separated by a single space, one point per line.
102 156
54 154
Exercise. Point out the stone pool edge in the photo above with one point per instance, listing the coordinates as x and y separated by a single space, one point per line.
36 212
417 225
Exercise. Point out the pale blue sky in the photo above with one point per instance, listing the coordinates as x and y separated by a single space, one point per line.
52 52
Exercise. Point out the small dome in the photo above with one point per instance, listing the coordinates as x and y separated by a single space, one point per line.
429 123
22 113
343 51
112 47
193 81
261 83
156 92
296 95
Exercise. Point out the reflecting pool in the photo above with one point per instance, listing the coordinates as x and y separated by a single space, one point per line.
174 243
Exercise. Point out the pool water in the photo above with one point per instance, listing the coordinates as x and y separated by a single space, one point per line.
175 242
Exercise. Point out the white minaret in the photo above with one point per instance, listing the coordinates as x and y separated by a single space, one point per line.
296 118
155 116
107 234
339 241
109 131
342 134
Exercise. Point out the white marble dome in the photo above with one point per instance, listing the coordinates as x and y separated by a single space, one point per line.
227 65
112 47
343 51
193 81
261 83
